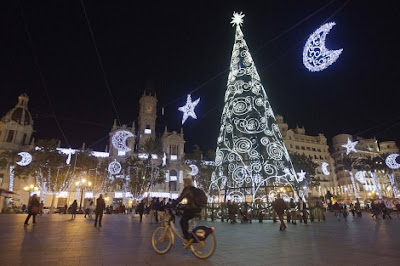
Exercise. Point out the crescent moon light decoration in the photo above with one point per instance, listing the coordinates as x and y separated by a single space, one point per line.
316 56
119 140
114 167
391 161
188 108
26 158
195 170
324 168
360 177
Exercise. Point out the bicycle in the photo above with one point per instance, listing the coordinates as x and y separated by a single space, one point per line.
202 242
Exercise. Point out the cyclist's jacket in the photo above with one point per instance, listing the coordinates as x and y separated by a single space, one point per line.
188 194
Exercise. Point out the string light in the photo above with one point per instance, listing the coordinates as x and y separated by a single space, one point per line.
354 185
118 140
391 161
250 149
26 159
188 108
316 57
394 187
375 181
324 167
114 167
350 146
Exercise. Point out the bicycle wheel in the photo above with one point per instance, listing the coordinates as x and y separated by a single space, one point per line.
204 249
161 239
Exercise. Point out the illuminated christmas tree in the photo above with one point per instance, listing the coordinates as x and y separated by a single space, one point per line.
250 152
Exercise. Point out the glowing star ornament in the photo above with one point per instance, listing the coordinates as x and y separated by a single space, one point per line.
195 170
26 159
119 138
350 146
316 57
188 108
237 19
114 167
391 161
301 176
324 168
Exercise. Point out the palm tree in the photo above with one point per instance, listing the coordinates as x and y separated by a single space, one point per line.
150 146
373 165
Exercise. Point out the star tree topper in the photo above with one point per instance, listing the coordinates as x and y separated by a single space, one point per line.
237 19
188 108
350 146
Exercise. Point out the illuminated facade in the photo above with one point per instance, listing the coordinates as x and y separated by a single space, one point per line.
317 149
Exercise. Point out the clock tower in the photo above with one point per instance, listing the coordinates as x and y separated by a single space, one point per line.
147 115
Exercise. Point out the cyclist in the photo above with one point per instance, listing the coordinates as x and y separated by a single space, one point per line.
191 209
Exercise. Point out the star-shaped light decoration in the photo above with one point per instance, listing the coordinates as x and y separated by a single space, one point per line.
188 108
350 146
301 176
164 159
237 19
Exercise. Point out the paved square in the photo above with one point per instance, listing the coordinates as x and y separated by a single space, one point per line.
56 240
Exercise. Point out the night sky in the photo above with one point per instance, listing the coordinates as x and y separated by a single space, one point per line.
187 46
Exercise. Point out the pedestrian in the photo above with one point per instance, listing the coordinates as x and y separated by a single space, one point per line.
74 206
319 207
292 206
385 212
91 209
231 212
140 209
352 209
33 209
65 208
41 208
100 206
344 211
280 206
151 212
336 209
357 207
156 208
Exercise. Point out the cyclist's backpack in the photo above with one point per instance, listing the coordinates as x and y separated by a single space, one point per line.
199 197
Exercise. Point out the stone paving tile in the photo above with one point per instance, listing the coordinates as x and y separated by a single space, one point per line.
56 240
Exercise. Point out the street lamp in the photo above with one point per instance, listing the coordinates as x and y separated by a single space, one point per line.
83 185
29 189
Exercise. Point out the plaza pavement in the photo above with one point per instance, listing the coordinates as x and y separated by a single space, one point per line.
56 240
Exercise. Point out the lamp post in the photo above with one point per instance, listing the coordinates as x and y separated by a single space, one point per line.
83 185
29 189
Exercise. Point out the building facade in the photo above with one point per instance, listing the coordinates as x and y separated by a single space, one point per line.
314 147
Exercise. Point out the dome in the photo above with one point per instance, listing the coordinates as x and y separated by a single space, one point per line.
20 113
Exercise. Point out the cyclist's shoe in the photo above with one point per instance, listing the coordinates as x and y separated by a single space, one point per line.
187 243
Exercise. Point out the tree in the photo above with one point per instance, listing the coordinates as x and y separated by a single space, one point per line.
250 151
49 169
203 178
151 146
303 162
373 165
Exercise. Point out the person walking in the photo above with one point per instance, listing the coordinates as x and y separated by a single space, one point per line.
74 206
41 208
336 209
140 209
280 206
100 206
344 211
357 207
33 209
91 209
292 207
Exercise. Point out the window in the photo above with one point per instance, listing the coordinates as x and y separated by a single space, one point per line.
315 157
319 150
172 186
147 130
302 147
10 136
291 146
313 149
308 148
174 149
24 139
297 147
